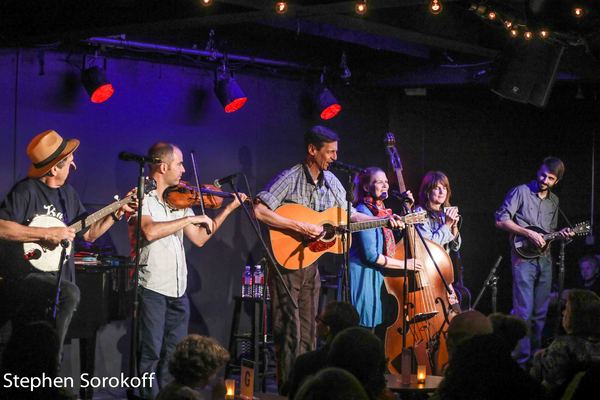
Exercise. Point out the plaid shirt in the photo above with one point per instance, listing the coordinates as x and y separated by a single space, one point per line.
295 185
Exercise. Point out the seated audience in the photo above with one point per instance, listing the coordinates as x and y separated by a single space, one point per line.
331 384
464 326
361 353
589 269
193 365
511 328
335 317
482 368
576 351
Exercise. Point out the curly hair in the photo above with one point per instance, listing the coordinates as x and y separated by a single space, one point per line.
196 359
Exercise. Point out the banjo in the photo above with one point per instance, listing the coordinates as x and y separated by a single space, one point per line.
46 259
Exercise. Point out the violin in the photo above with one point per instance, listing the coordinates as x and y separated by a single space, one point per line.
183 195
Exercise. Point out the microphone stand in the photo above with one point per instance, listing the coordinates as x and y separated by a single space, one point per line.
346 237
561 285
133 361
61 263
262 241
490 281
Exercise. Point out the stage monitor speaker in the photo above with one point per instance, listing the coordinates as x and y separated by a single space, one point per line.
526 71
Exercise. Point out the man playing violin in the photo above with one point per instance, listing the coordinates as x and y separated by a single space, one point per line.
164 305
45 192
310 184
532 204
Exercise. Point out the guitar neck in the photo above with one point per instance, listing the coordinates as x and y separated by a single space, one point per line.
98 215
364 225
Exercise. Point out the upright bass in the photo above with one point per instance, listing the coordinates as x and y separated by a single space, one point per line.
423 311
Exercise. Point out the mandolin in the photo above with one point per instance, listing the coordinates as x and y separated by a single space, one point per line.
527 249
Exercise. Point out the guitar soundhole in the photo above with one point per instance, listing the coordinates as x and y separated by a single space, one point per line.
329 232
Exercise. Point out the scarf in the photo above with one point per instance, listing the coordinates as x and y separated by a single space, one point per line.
378 209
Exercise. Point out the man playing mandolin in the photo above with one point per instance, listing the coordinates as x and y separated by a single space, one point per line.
45 193
310 184
532 204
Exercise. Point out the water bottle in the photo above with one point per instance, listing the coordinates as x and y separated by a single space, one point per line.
247 282
259 282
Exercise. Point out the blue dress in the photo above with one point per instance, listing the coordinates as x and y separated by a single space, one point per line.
366 280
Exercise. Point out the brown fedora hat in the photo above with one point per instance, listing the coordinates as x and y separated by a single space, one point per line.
46 150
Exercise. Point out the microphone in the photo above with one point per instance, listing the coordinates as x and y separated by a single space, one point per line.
220 182
349 168
125 156
400 196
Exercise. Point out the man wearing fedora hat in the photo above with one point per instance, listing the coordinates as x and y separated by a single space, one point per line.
45 192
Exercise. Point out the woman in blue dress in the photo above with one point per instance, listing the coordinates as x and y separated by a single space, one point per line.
372 250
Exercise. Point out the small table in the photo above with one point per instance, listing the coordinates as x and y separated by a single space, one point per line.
394 383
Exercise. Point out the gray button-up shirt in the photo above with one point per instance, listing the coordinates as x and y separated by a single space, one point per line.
166 270
295 185
523 205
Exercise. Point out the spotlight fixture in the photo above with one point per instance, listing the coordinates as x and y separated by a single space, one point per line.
206 3
328 106
435 7
281 7
361 7
95 83
229 93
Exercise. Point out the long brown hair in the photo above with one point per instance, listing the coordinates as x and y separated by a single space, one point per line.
429 182
363 178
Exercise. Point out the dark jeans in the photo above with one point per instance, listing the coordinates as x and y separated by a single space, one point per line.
294 330
163 323
532 280
36 295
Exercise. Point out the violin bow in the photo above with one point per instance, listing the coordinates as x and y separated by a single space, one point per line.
202 212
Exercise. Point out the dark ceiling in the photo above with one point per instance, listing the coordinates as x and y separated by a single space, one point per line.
398 42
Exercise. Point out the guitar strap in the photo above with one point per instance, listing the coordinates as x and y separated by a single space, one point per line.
560 210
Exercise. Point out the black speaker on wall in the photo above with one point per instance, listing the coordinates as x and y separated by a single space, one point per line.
526 71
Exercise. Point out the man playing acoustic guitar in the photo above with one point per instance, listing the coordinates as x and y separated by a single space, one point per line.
532 204
309 184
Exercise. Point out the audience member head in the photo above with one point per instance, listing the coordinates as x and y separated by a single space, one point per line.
196 359
335 317
464 326
482 368
589 267
331 384
511 328
32 350
582 313
360 352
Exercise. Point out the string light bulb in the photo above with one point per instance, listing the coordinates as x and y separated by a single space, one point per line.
281 7
435 7
361 7
514 32
528 35
206 3
508 24
578 12
544 34
491 15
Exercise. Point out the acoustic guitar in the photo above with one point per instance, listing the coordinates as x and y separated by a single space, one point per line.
47 259
527 249
293 251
